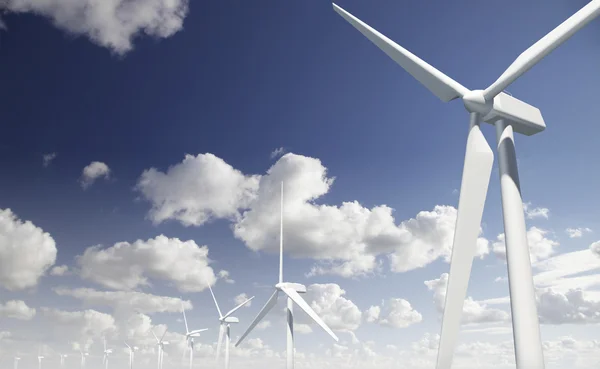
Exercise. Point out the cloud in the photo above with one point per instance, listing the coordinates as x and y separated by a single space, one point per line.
572 307
394 313
277 152
540 247
224 275
533 213
328 301
48 158
92 172
577 232
196 190
473 311
126 266
263 325
595 248
59 270
111 24
26 252
130 301
78 326
241 298
16 309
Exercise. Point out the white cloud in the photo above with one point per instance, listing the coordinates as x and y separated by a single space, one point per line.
533 213
302 328
92 172
78 326
224 275
196 190
595 248
540 247
126 266
126 300
16 309
241 298
395 313
568 271
26 252
263 325
59 270
113 24
473 311
277 152
577 232
573 307
48 158
328 301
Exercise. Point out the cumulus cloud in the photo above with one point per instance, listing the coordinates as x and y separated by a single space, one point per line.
126 266
224 275
277 152
26 252
573 307
577 232
473 311
595 248
78 326
92 172
126 300
328 301
59 270
540 247
394 313
263 325
533 213
16 309
196 190
112 24
48 158
241 298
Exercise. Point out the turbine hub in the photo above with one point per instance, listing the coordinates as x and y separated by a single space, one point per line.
475 103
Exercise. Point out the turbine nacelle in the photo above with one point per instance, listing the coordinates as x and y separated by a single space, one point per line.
230 319
300 288
475 102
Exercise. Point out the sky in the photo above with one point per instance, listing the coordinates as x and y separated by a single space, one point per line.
143 144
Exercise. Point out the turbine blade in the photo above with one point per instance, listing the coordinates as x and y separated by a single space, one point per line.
543 47
442 86
268 306
237 307
127 345
219 342
157 340
184 317
308 310
163 336
215 300
281 236
477 169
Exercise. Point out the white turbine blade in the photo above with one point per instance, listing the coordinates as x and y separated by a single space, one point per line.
184 317
281 236
157 340
442 86
477 169
127 345
163 336
220 341
268 306
237 307
197 331
215 300
543 47
308 310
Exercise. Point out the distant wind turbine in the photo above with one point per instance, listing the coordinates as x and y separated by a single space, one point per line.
40 357
291 290
17 362
107 352
83 355
62 360
189 335
224 326
161 348
131 354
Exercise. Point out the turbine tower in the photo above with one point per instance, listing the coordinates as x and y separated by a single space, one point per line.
106 353
509 115
16 365
131 354
225 322
189 335
62 360
161 347
291 290
83 355
40 358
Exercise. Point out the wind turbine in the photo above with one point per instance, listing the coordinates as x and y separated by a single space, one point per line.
225 322
83 355
189 336
107 352
16 365
161 348
291 290
62 360
508 114
131 354
40 357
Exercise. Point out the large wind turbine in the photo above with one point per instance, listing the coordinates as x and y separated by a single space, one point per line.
225 322
507 114
132 350
291 290
161 347
189 335
105 355
83 355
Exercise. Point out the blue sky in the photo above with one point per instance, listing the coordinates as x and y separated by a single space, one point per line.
236 81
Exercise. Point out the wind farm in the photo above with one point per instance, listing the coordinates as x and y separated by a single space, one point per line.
214 185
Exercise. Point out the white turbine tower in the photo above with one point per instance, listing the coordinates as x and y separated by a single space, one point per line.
62 360
225 322
161 347
291 290
189 335
105 355
132 350
40 358
16 365
507 114
83 356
